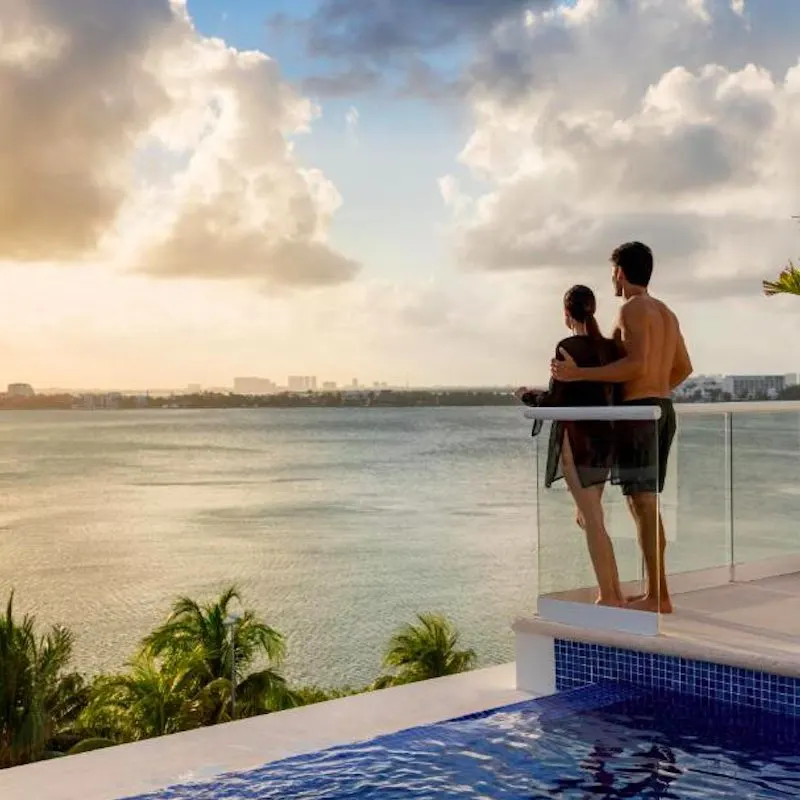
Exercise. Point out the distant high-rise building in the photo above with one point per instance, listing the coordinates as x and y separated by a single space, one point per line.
253 386
354 383
329 386
302 383
194 388
20 390
754 387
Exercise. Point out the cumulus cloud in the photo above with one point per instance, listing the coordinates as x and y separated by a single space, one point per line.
127 133
672 121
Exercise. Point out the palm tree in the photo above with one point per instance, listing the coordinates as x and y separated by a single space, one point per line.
147 701
67 702
788 281
36 692
424 651
203 631
221 652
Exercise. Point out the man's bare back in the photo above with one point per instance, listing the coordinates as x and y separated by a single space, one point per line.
649 326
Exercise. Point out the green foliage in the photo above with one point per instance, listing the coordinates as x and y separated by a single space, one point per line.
146 701
201 634
309 695
38 697
202 666
788 282
426 650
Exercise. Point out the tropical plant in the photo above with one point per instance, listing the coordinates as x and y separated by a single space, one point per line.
259 693
37 695
203 632
221 650
426 650
67 702
196 669
309 695
149 700
788 281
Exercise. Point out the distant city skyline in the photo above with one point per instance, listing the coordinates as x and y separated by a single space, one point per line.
735 384
303 194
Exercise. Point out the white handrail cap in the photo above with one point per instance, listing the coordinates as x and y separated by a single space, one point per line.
594 413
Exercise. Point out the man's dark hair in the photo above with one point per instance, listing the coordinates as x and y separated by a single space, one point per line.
636 262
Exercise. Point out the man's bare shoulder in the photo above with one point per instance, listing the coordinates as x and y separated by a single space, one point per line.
666 311
645 305
637 306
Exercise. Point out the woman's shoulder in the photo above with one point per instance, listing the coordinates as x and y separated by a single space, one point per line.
586 350
571 343
579 347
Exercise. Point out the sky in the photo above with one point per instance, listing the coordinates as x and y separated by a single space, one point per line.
398 192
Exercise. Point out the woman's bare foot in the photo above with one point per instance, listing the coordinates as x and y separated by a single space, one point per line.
652 604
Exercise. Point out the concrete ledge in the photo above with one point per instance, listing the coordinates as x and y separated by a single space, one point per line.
536 664
584 613
737 653
200 755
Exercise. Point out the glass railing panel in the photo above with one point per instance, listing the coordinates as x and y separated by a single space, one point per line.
563 563
765 475
569 570
695 504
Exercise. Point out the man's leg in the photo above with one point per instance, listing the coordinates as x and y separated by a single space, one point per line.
652 540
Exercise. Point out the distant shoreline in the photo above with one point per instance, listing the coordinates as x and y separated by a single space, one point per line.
207 401
383 398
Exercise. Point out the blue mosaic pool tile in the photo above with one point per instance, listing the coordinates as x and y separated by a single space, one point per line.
581 664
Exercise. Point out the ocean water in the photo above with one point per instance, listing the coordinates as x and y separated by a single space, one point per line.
337 524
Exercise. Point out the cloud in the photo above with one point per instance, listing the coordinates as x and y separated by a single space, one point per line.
385 36
695 150
385 29
126 134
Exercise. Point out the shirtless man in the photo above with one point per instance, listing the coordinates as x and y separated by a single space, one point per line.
655 362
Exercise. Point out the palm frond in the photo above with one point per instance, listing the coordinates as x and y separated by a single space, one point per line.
428 649
788 282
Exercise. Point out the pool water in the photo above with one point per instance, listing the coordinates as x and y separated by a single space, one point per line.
608 741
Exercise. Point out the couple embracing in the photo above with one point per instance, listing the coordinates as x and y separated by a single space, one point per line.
641 364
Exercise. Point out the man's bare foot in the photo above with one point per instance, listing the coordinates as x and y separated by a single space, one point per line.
651 604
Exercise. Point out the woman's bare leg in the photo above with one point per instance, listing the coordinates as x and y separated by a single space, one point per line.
589 502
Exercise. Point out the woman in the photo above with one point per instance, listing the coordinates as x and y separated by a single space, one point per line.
582 452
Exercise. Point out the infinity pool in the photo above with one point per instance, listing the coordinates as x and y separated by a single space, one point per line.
609 741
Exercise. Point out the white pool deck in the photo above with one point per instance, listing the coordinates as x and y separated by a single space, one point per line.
750 623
